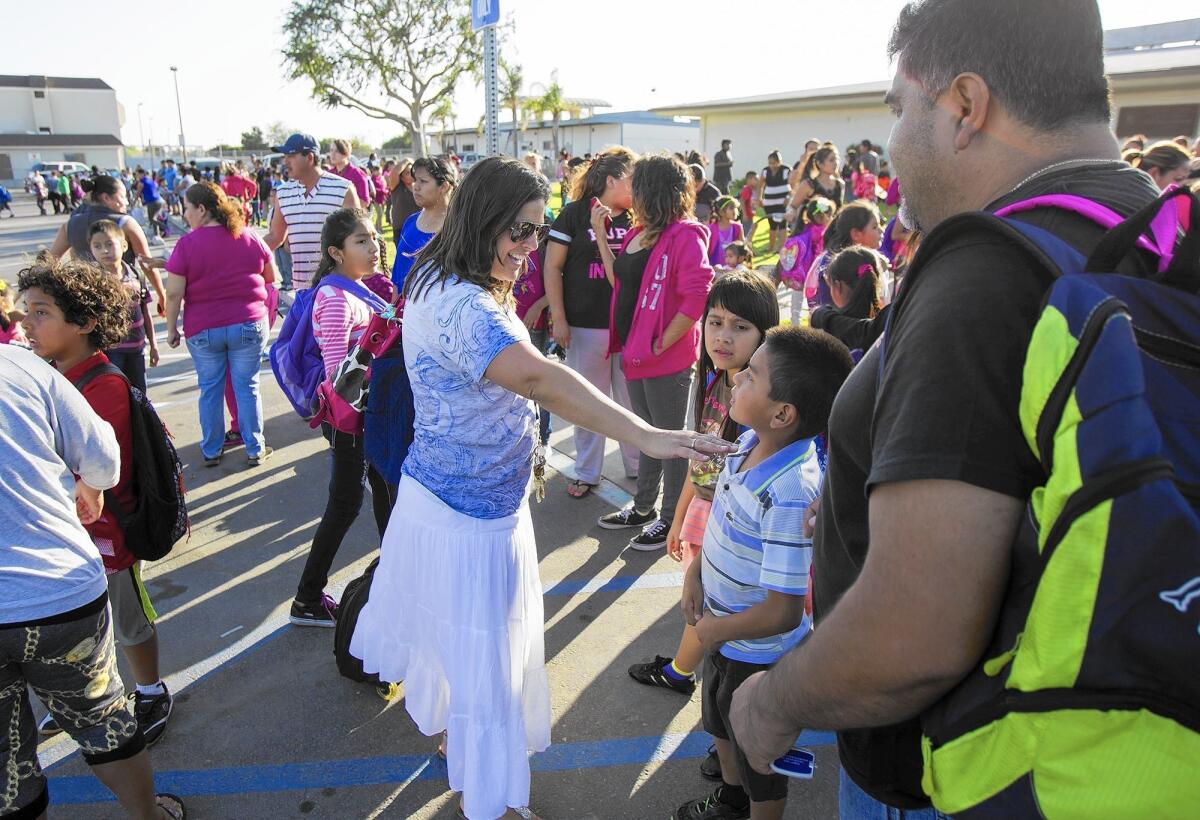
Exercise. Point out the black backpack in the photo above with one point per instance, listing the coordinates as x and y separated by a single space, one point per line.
159 517
354 598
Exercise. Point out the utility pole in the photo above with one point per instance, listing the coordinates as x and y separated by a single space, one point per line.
179 109
141 132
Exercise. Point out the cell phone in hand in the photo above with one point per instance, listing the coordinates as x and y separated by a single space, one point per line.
607 221
798 763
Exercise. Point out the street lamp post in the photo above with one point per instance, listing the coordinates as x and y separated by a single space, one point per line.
141 132
179 109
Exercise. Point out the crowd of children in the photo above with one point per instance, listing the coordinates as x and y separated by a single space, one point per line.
738 526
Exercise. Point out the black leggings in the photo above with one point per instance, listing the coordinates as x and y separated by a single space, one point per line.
348 474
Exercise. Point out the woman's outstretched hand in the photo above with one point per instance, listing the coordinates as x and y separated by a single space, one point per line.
682 444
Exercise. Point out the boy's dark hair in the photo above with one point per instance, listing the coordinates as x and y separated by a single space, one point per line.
83 292
105 226
807 371
1043 59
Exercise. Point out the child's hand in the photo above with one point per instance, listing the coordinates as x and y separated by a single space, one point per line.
154 357
89 503
693 598
706 632
810 517
674 545
793 284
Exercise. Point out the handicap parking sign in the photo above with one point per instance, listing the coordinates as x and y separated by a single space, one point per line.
484 13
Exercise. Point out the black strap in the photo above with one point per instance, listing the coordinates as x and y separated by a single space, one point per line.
1184 270
109 369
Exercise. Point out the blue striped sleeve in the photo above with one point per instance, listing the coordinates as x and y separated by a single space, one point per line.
787 554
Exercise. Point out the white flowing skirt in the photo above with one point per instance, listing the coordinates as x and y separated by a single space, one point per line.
455 612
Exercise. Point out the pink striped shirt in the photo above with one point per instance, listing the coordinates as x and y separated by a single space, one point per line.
339 319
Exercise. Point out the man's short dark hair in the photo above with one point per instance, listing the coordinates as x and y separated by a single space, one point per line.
1042 59
726 143
807 370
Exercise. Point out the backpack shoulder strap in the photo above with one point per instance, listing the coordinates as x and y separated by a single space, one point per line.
106 369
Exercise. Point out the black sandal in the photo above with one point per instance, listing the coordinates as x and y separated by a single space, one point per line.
164 801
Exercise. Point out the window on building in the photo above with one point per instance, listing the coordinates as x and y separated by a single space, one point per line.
39 95
547 145
78 156
6 167
1155 121
43 130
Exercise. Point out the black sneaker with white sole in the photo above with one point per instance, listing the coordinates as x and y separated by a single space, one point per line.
152 713
628 517
322 613
655 674
653 537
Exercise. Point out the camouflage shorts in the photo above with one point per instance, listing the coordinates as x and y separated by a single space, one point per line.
71 666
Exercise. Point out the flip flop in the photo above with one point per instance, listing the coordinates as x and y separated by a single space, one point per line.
574 488
171 804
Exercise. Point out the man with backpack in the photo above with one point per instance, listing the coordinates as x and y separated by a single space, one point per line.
55 622
1001 557
76 310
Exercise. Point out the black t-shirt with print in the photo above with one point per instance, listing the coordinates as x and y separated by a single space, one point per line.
587 296
946 408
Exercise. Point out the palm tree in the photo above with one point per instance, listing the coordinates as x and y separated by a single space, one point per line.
444 110
511 77
552 102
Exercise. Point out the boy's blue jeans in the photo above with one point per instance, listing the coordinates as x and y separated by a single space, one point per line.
238 348
856 804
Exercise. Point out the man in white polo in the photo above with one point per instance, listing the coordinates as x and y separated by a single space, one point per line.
300 205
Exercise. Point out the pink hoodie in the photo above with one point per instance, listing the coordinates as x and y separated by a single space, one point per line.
677 280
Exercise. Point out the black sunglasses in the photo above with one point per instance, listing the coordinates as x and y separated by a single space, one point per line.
523 230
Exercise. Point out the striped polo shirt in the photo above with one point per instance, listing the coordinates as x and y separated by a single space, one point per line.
754 540
305 212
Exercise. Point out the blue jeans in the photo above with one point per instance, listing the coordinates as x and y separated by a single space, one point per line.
283 261
238 348
856 804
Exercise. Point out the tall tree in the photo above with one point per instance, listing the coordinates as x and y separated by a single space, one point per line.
442 112
389 59
554 104
278 132
511 78
400 142
253 140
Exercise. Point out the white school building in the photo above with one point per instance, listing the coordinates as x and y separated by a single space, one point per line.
1154 73
43 119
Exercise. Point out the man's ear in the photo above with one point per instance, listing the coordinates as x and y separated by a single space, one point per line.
970 100
785 416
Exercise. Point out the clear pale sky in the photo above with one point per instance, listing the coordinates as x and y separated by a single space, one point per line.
230 73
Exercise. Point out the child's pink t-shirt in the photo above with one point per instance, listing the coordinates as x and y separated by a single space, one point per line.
225 284
529 288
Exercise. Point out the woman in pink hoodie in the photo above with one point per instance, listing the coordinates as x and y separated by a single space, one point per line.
661 279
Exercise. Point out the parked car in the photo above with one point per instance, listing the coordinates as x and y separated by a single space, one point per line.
68 168
468 160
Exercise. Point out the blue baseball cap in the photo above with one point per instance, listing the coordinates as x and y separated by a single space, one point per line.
297 143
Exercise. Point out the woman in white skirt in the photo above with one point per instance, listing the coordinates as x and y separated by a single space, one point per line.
456 604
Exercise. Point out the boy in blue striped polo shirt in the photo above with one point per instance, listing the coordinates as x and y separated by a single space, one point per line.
746 594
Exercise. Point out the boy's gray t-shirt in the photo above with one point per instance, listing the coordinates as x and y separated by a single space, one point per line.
48 563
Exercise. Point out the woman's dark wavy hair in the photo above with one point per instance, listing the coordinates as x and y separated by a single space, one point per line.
662 194
820 155
486 205
593 179
101 185
751 296
210 197
83 291
864 302
334 233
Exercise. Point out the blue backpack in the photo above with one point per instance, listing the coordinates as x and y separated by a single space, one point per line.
1087 702
296 357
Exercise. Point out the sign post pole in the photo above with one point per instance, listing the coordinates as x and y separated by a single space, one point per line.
485 14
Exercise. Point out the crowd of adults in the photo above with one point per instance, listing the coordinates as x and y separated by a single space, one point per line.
851 512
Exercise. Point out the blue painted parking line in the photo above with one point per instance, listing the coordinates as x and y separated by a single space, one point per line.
376 771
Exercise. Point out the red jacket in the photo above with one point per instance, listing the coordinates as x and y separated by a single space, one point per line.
109 397
677 280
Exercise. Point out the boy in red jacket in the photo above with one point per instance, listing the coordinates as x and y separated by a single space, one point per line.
72 313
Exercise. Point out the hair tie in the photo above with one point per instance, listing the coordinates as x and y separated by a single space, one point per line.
865 268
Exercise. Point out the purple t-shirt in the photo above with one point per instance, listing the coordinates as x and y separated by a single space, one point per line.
225 284
356 177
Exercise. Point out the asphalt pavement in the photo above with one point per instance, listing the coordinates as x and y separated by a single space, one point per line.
264 727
